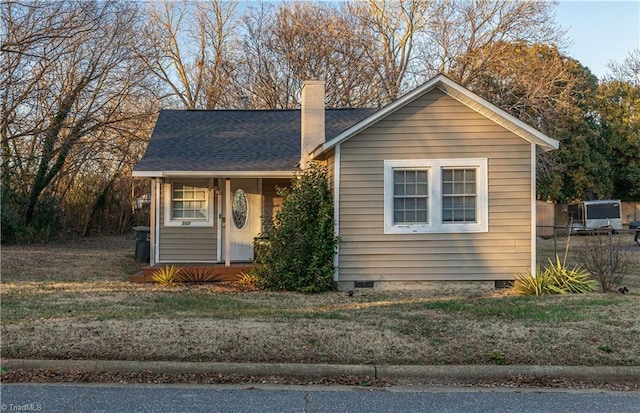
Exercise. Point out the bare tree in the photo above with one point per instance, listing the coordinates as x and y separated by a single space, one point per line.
71 72
462 36
392 28
629 69
321 41
218 22
187 48
265 77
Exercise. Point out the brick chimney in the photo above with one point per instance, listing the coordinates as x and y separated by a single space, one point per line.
312 119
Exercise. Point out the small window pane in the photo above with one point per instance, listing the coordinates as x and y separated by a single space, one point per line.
189 201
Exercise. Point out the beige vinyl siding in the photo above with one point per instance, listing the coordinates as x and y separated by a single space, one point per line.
435 126
187 244
271 201
331 168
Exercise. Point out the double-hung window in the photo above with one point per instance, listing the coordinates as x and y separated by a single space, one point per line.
410 196
435 195
459 195
188 203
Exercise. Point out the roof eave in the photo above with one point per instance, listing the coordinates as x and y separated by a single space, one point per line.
497 115
213 174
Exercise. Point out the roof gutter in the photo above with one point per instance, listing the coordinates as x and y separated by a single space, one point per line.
213 174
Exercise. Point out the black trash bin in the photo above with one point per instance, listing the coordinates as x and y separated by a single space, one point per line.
143 242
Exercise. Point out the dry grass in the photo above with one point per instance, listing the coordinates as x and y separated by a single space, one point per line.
74 301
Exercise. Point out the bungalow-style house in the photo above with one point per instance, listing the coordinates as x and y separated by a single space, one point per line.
437 185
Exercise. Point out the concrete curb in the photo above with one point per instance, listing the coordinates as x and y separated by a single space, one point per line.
483 373
311 371
394 374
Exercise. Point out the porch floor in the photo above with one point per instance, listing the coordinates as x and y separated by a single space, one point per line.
216 272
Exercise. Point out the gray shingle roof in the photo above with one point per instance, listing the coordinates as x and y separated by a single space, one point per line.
234 140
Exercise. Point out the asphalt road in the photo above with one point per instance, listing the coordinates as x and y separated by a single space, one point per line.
282 399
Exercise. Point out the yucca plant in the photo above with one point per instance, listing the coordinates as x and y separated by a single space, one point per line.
166 275
572 281
197 275
555 279
248 280
532 284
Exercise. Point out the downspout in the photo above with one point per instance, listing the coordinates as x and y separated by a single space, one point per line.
336 209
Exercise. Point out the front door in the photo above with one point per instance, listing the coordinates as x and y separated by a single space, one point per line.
245 217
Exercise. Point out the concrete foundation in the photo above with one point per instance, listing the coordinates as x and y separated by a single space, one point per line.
437 287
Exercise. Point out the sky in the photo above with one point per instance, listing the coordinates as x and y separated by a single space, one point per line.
600 31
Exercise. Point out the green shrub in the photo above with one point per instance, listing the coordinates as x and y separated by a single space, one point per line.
296 251
556 278
44 226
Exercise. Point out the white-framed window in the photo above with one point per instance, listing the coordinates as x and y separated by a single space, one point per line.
435 195
188 203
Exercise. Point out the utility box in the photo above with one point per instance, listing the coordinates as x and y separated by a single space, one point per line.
143 243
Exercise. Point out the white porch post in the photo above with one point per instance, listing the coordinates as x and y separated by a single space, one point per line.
157 196
152 221
227 222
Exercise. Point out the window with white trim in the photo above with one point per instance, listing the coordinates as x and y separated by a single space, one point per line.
458 195
435 195
188 203
410 196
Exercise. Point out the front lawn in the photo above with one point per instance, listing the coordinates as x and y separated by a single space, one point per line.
74 301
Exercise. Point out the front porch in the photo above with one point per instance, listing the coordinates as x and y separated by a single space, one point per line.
197 272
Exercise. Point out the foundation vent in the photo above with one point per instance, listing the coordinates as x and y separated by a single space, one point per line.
502 284
363 284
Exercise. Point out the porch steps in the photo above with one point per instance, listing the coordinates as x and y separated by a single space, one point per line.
219 271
